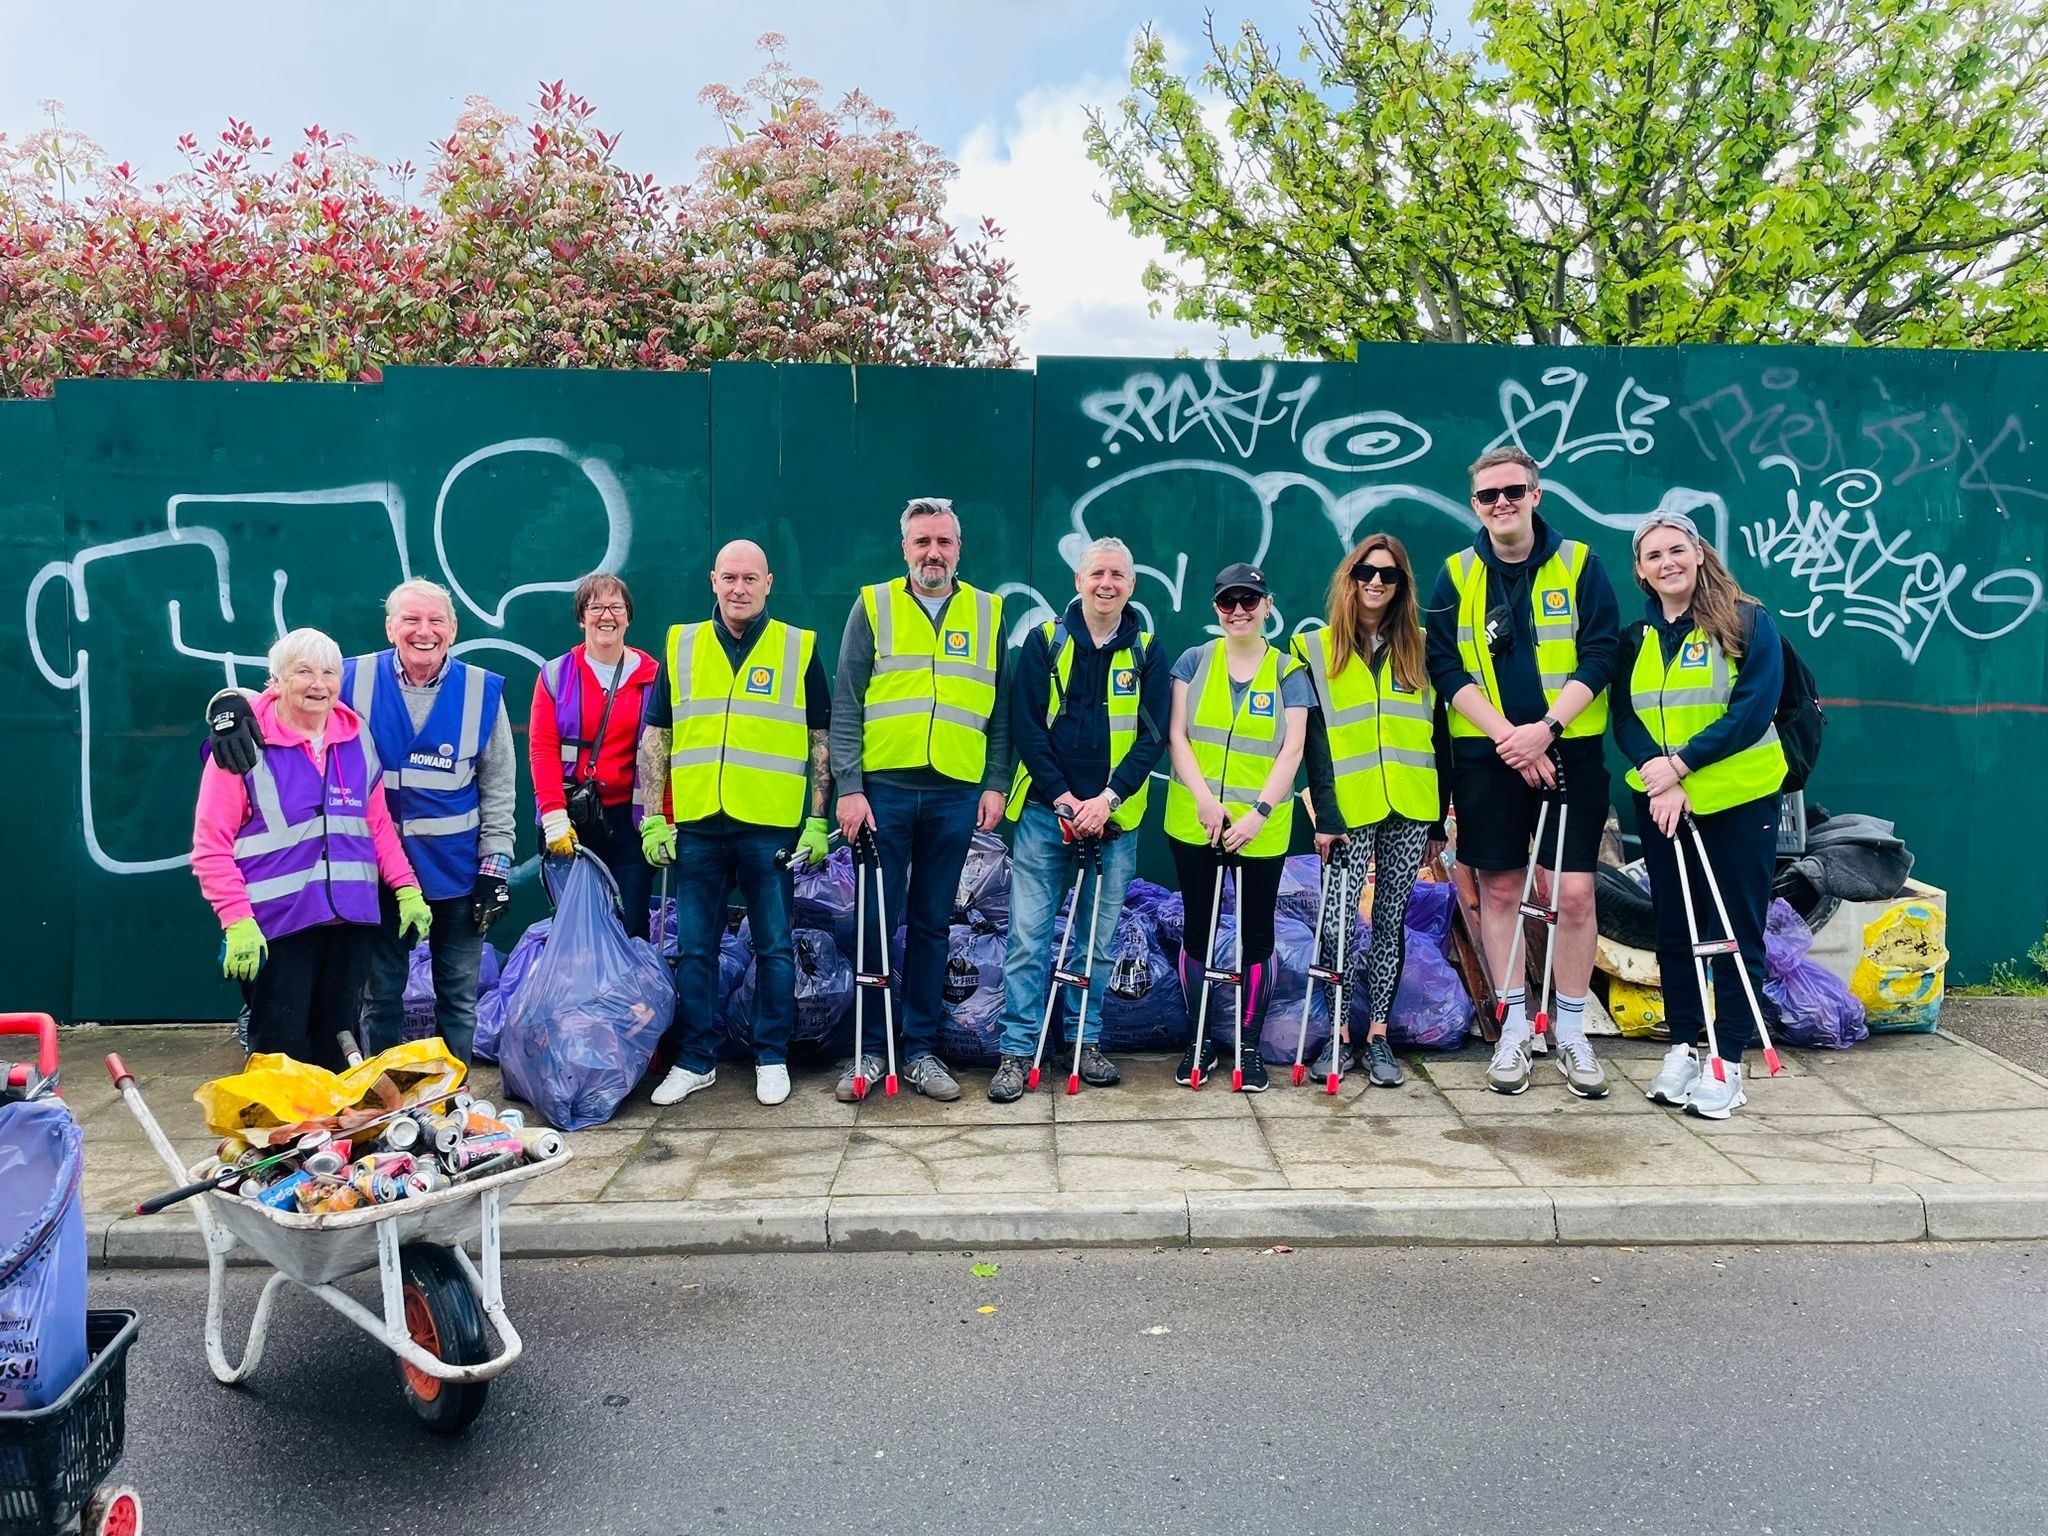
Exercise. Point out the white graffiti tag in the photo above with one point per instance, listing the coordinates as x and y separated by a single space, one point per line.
1150 408
1545 430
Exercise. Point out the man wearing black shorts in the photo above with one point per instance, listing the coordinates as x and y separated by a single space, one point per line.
1524 635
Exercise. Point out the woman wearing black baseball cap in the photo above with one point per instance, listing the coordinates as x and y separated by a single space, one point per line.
1240 717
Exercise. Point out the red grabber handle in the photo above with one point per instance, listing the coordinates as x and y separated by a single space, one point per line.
117 1069
44 1028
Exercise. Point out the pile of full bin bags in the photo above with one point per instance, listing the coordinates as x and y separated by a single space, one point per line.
1144 1009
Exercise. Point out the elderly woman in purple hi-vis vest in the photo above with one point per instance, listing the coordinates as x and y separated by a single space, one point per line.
291 854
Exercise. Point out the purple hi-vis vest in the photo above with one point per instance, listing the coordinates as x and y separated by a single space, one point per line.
305 852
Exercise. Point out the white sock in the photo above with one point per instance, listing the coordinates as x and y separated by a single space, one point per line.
1570 1023
1516 1020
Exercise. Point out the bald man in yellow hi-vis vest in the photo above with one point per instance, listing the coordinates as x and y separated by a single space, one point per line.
921 755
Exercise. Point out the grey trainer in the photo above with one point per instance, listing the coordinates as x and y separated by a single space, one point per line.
1097 1070
928 1075
1007 1086
1382 1068
1676 1078
869 1067
1581 1068
1508 1072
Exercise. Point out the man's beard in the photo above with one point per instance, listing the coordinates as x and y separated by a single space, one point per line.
933 578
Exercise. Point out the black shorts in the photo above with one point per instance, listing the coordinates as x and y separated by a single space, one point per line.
1497 811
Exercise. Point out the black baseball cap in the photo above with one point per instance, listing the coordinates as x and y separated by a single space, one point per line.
1241 578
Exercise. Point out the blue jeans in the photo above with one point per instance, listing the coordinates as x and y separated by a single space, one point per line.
458 954
923 835
1042 867
711 857
621 854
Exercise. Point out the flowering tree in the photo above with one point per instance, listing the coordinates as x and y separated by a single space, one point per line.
812 233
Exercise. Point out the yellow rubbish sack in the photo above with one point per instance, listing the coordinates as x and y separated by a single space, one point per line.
1900 977
1637 1011
273 1090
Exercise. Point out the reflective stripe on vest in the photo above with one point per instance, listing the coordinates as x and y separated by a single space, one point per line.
305 853
1121 701
563 680
933 687
1553 595
432 793
1676 703
1234 749
1380 743
739 742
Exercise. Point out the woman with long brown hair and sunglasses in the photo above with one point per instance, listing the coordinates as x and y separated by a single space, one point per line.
1374 740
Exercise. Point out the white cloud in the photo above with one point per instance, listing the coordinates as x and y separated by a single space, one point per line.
1078 268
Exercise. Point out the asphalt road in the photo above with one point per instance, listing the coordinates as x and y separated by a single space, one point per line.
1893 1390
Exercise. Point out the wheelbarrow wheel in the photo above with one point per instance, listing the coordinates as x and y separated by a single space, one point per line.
444 1317
113 1512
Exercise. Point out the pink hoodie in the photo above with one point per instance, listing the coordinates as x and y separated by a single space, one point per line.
223 809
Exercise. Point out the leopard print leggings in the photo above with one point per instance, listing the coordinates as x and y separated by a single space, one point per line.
1395 846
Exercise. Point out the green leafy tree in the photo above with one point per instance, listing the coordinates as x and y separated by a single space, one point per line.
1601 171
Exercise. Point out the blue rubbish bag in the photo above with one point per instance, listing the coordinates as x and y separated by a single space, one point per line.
42 1254
824 998
824 898
971 1031
491 1006
420 1023
584 1025
1432 1010
1814 1006
983 895
1143 1009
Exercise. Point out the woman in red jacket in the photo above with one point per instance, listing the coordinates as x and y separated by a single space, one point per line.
583 738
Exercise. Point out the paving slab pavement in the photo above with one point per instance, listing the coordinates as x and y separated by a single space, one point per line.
1904 1137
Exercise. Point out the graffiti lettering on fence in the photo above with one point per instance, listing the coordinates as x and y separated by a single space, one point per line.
207 599
1851 569
1547 429
1151 408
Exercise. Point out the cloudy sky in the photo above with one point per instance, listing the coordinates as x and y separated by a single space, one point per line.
999 85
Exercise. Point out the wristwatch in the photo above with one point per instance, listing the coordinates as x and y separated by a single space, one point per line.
1114 800
1262 808
1556 730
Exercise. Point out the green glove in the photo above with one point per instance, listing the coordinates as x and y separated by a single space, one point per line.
415 918
657 840
242 950
814 846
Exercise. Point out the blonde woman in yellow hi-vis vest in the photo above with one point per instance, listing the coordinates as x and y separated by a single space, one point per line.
1694 710
1523 635
738 714
1240 718
1374 739
921 755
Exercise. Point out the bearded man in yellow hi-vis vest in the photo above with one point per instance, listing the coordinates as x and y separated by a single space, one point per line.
737 718
921 755
1523 636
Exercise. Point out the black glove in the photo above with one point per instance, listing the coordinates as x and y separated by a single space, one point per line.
488 901
231 727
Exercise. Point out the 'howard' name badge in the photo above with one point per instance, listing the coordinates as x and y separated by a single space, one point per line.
1261 704
1124 683
1694 654
761 680
956 642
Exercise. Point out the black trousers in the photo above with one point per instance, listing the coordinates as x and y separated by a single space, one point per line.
1742 843
309 990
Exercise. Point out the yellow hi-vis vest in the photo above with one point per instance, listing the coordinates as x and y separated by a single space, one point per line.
1123 717
1235 751
1554 595
739 742
1677 702
1380 743
934 687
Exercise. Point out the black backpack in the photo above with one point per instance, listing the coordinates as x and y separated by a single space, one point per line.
1799 718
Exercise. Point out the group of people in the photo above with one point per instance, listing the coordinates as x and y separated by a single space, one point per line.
356 806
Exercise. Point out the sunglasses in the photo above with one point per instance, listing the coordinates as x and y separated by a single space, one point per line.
1238 602
1385 575
1493 493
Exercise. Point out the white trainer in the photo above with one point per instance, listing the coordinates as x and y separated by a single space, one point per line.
1508 1072
1674 1081
681 1083
1717 1098
771 1083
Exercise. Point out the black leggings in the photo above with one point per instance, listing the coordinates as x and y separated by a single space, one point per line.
1258 893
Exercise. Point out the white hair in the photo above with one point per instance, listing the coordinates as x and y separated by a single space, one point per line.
927 506
419 586
301 647
1108 545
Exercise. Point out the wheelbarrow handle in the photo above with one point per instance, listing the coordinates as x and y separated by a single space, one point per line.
184 1192
44 1028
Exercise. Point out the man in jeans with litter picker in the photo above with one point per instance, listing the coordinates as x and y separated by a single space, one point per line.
1523 637
920 755
1088 713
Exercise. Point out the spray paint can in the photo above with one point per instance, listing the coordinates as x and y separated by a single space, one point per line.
283 1195
490 1165
541 1143
479 1150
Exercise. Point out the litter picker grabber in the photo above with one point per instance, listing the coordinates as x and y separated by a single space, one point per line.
1091 859
1336 976
1702 951
1545 914
867 876
1059 963
793 860
1211 975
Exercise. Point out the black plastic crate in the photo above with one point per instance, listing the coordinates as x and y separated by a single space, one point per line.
51 1459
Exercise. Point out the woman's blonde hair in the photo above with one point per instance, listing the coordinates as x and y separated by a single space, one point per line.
1398 623
1717 599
